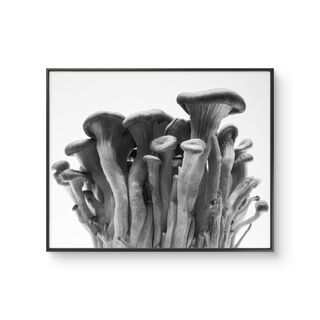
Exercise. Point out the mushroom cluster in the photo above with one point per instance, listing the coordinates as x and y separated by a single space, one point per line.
151 181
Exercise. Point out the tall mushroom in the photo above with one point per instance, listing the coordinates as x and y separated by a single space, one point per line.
85 151
144 127
153 164
189 179
107 129
165 146
206 110
226 138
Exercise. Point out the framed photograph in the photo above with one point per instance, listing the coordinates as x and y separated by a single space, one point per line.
159 160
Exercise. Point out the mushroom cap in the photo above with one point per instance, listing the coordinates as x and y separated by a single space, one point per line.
244 145
180 128
105 118
146 116
241 158
226 133
152 159
262 205
60 166
78 145
163 144
193 145
70 174
218 96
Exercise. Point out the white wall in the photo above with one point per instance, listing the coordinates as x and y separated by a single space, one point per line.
39 34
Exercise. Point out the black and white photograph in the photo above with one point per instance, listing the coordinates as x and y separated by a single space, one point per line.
159 159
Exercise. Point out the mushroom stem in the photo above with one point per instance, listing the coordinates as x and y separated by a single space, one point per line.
214 166
261 206
190 174
240 215
153 164
215 232
191 232
242 237
172 213
165 146
116 178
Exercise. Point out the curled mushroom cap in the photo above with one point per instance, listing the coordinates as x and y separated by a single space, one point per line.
262 206
163 144
60 166
193 145
243 146
208 108
227 136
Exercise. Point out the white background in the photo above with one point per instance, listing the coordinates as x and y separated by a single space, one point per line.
76 95
40 34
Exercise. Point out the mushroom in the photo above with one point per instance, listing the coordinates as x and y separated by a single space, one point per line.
165 146
189 179
76 180
261 206
153 164
172 213
85 151
244 145
59 167
241 192
226 138
208 108
144 127
191 232
240 170
107 129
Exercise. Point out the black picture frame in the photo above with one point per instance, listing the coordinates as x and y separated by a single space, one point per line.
271 72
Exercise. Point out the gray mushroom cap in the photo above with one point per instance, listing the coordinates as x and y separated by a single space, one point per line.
193 145
243 146
218 96
262 206
163 144
227 135
60 166
146 116
78 146
104 124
